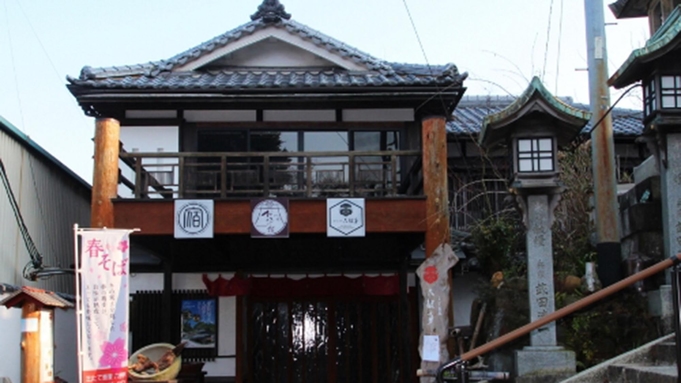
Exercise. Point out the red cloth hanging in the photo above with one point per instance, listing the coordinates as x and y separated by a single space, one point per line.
315 287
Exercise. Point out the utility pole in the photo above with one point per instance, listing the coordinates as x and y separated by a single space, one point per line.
609 248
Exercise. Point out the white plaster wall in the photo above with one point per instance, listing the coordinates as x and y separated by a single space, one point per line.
226 315
219 115
378 115
299 115
151 114
10 342
273 52
147 139
145 281
65 345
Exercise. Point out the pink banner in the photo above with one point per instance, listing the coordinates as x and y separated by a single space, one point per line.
104 256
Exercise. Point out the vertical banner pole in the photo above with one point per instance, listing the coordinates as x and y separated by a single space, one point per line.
79 308
102 281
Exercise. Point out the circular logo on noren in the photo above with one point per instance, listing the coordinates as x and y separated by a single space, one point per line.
193 218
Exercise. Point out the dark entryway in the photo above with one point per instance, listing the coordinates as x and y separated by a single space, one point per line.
330 339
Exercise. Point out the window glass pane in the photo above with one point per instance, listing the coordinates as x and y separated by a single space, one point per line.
678 82
525 165
525 155
545 155
668 102
545 164
652 86
274 141
524 145
326 141
535 164
667 82
545 144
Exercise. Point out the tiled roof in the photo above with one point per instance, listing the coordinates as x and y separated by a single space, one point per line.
471 110
44 297
159 75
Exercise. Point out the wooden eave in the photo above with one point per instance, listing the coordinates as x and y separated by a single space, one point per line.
425 100
306 216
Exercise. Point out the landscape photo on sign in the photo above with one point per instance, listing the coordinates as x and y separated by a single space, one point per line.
198 318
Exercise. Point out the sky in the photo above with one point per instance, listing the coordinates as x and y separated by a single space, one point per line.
501 44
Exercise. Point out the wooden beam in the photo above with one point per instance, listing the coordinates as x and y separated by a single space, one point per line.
434 139
390 215
30 343
105 176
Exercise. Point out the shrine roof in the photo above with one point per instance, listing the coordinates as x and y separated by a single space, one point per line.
629 8
665 39
470 112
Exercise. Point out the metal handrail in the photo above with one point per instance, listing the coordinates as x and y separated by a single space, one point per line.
459 363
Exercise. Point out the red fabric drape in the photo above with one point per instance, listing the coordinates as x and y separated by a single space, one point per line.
319 286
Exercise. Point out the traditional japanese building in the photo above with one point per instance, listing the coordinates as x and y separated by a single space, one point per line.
287 178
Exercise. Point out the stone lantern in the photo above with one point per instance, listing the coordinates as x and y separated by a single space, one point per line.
531 130
658 67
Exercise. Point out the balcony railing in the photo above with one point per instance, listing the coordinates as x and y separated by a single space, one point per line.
251 174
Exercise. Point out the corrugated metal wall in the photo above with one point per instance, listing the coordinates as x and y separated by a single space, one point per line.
51 202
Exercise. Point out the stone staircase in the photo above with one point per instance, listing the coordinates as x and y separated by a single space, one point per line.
654 362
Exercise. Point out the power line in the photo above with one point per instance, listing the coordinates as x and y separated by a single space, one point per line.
548 35
14 67
560 37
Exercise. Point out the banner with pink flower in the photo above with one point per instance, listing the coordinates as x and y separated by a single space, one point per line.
103 319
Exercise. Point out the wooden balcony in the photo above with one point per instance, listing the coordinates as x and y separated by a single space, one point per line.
286 174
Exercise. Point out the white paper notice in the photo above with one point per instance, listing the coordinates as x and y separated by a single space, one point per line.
29 325
431 348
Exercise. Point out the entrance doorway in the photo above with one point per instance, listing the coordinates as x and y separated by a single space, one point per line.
334 339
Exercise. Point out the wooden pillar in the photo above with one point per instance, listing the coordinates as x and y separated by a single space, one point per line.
30 343
434 141
105 177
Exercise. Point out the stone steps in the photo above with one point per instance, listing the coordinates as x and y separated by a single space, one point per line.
654 362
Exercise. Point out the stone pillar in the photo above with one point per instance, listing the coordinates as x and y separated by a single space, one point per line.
543 356
540 268
105 175
670 183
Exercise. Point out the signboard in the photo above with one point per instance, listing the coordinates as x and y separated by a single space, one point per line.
345 217
269 218
103 323
198 321
194 218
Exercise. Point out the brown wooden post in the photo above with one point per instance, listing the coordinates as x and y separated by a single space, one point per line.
105 177
434 140
30 343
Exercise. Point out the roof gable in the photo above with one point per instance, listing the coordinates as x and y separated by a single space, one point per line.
272 46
